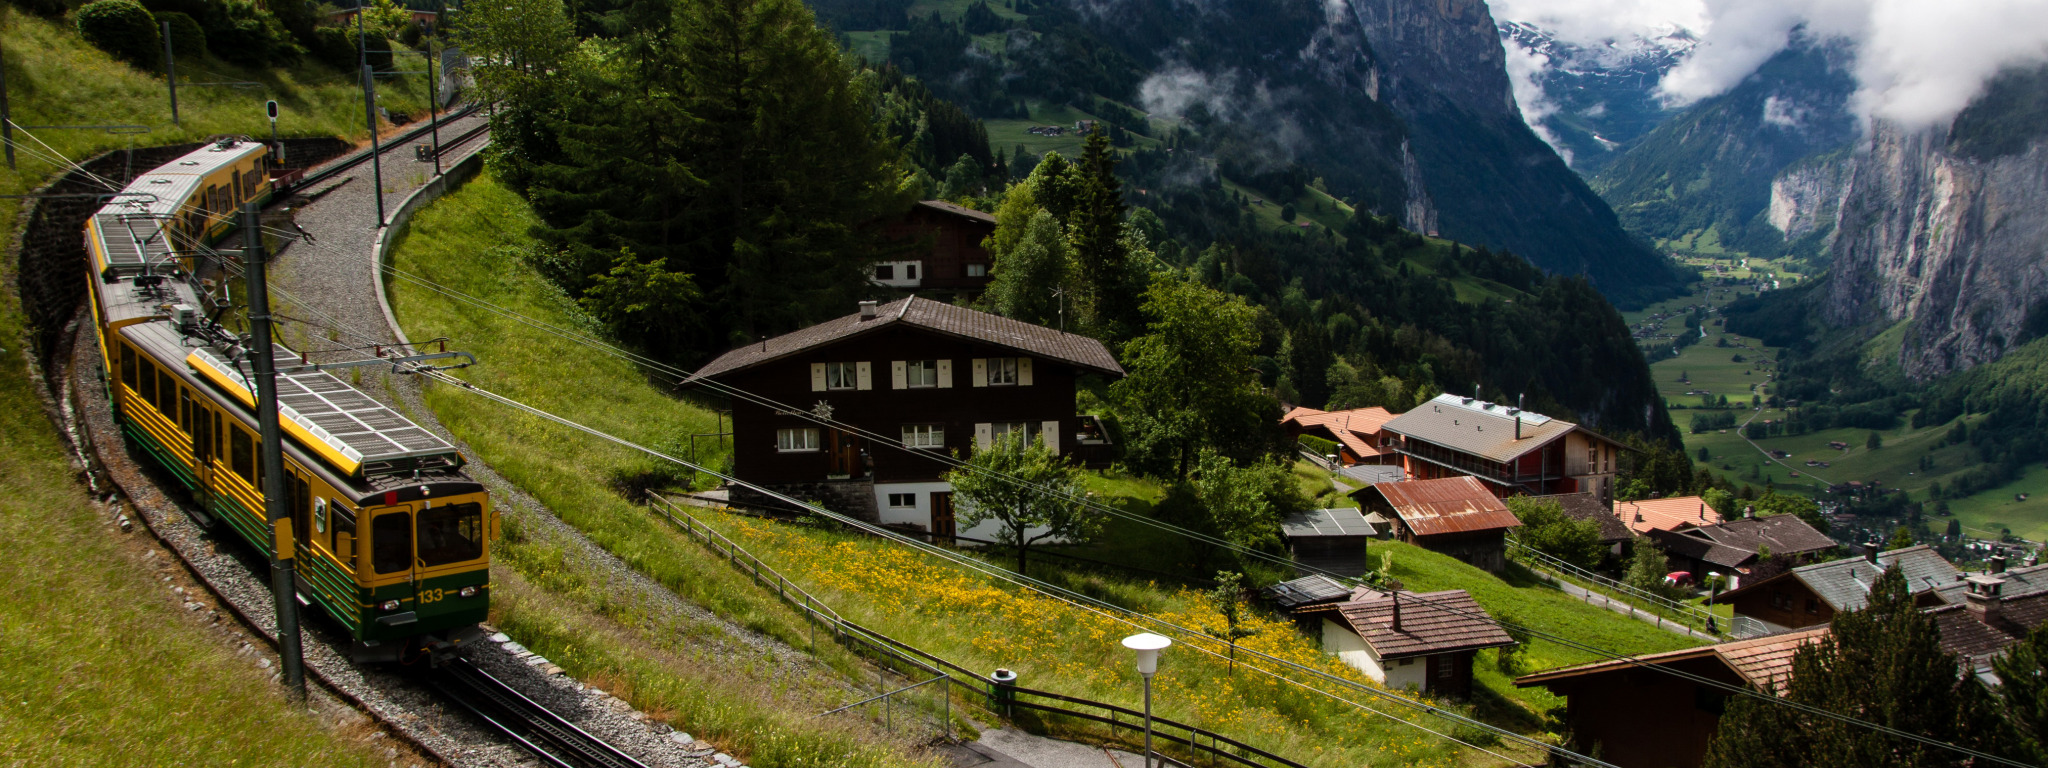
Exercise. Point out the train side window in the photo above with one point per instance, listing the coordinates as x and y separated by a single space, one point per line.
130 368
391 542
344 525
186 409
451 534
242 455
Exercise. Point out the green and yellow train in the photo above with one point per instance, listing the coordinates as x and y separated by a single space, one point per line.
390 537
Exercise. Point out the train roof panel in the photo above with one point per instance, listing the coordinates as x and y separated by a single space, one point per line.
357 432
129 242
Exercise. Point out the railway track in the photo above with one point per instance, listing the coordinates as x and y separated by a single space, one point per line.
361 156
550 737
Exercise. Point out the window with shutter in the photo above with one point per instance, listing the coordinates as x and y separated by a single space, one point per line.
897 374
817 377
945 374
864 376
1050 433
1023 371
924 436
1002 371
922 373
980 372
842 376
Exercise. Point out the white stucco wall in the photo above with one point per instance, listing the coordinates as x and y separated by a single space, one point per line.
1351 649
921 513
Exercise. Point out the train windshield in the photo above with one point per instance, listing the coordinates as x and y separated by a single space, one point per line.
391 542
451 534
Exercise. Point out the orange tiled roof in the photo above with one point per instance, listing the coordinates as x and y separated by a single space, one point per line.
1354 428
1665 514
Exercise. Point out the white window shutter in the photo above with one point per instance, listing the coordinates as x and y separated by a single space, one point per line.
1023 371
864 375
817 377
981 372
945 374
896 374
983 436
1050 433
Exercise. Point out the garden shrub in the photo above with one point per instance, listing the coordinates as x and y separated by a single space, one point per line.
122 28
240 33
188 39
44 8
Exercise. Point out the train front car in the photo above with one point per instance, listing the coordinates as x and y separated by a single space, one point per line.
391 538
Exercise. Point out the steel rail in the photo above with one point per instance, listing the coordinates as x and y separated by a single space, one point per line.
549 736
350 161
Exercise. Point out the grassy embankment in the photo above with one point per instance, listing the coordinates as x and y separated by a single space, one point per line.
565 609
472 241
99 664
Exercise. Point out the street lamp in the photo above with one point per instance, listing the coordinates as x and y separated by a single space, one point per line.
1148 646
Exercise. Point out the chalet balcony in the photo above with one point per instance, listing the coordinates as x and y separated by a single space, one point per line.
1466 463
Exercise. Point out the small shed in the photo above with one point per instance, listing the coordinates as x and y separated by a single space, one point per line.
1332 540
1399 638
1457 516
1303 593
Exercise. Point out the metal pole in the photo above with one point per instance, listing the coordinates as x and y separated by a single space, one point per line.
6 115
171 72
376 152
434 109
1148 721
283 567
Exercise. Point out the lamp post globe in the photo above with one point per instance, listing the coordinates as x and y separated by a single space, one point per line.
1148 646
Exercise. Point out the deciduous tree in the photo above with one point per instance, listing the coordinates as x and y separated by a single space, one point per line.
1191 382
1028 489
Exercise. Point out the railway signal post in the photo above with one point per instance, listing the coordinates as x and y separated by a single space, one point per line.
283 565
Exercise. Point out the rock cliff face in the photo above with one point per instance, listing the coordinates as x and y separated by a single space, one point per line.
1956 246
1806 198
1473 168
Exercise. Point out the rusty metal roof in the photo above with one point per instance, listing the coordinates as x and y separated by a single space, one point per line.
939 317
1447 505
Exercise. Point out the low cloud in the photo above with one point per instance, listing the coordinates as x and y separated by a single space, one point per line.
1592 23
1783 113
1525 71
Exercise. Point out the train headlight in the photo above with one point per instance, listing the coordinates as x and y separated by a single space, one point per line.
469 591
388 605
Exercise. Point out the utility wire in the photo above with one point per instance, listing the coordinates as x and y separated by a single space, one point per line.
1254 554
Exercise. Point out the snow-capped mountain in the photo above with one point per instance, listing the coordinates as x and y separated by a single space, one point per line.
1590 101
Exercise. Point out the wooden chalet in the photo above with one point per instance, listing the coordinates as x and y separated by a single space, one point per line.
1511 450
1457 516
944 250
913 380
1735 547
1635 716
1332 540
1356 432
1589 506
1400 639
1811 595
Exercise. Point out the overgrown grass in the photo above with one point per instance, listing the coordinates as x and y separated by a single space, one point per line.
97 664
55 78
474 241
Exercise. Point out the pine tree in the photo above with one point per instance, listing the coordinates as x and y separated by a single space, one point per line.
1096 227
2023 690
1882 664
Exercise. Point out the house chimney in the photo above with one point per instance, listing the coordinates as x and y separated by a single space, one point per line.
1703 510
1870 552
1396 596
1748 511
867 310
1985 599
1998 564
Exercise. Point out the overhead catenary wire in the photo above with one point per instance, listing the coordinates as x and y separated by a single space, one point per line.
884 440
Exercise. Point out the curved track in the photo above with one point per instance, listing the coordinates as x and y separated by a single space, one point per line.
550 737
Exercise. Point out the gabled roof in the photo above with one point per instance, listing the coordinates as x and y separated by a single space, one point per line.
1845 584
1669 514
1431 623
1588 506
925 314
1480 428
1340 521
1352 427
958 210
1763 662
1736 543
1373 474
1445 505
2018 581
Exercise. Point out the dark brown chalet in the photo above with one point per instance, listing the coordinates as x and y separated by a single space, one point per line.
945 250
911 379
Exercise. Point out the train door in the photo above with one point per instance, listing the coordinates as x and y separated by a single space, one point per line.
203 443
391 555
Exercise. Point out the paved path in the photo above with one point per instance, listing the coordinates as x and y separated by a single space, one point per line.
1004 748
